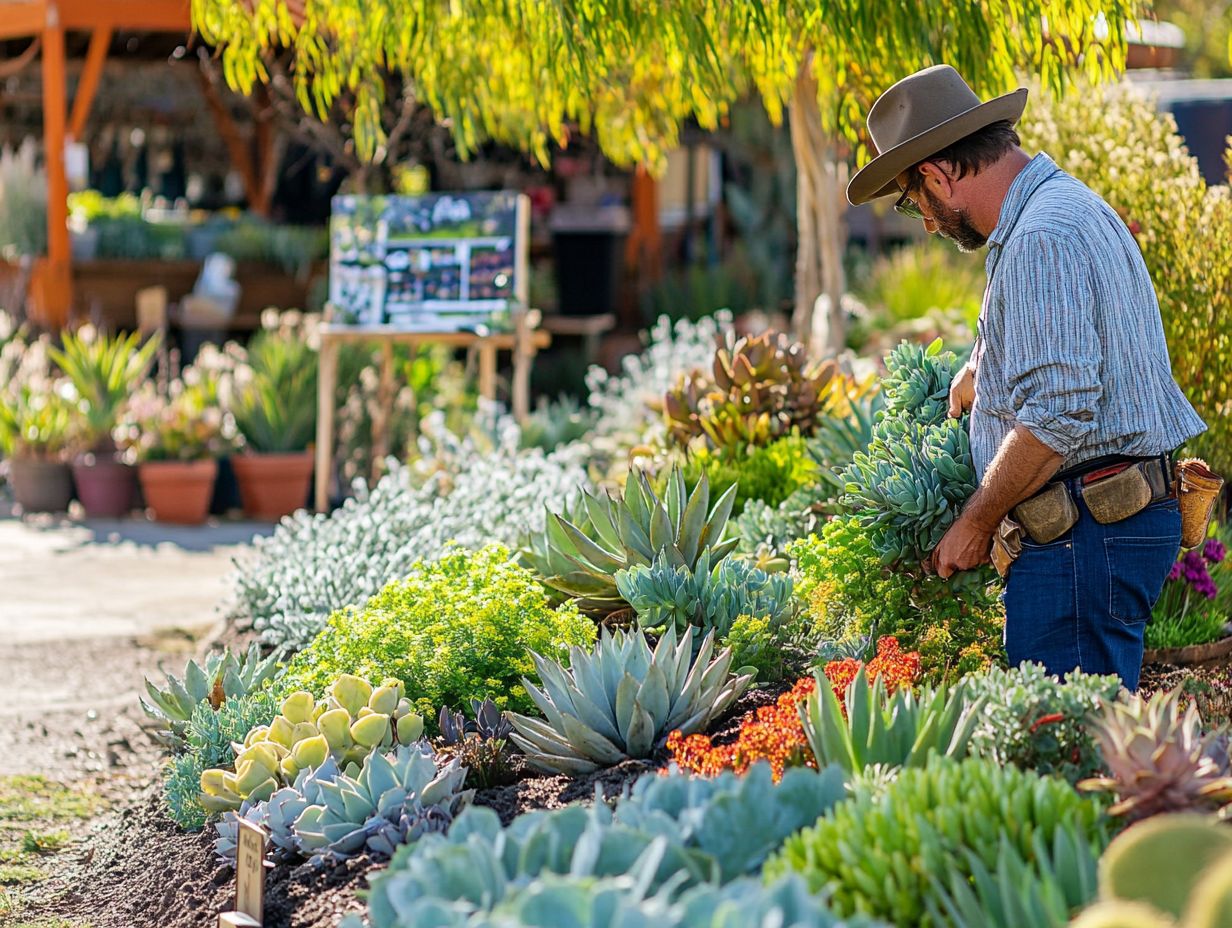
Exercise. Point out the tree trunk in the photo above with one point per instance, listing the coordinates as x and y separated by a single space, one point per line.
821 182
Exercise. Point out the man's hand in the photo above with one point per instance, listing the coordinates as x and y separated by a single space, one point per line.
964 546
962 391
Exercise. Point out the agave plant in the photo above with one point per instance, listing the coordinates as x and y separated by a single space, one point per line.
396 798
225 675
104 370
617 701
901 729
759 389
579 557
1158 759
706 598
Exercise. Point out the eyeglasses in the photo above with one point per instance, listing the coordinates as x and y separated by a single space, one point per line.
905 206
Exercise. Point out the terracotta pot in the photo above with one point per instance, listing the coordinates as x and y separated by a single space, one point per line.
106 486
178 491
273 485
41 486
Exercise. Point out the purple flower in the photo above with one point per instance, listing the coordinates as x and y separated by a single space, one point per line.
1214 550
1175 572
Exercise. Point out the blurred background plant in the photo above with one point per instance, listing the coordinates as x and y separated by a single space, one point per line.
924 290
104 370
1196 602
23 203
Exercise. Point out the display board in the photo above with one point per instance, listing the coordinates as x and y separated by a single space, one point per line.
446 262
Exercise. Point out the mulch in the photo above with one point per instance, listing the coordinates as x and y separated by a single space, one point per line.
137 869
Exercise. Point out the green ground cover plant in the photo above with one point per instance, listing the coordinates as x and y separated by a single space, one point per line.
770 473
1039 722
460 628
850 595
37 816
861 852
292 582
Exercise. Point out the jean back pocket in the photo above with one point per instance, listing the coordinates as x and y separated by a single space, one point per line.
1137 569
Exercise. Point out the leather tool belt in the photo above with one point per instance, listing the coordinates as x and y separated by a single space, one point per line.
1112 489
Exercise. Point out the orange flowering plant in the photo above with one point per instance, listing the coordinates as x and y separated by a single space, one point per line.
775 733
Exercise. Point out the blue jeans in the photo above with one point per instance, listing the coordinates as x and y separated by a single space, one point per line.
1084 600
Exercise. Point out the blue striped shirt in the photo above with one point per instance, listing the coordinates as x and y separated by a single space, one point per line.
1070 344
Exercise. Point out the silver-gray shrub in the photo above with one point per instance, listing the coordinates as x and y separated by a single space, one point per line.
290 582
625 401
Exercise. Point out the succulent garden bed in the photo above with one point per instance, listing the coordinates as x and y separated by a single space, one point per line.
683 670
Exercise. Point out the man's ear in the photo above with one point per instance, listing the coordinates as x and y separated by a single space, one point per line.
936 180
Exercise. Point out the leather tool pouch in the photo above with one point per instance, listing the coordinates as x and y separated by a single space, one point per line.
1124 494
1006 545
1197 489
1047 515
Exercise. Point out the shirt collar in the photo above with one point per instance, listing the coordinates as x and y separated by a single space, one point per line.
1038 170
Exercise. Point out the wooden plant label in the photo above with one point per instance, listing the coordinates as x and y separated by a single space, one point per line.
237 920
249 879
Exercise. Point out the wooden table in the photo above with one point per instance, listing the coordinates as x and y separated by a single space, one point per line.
525 341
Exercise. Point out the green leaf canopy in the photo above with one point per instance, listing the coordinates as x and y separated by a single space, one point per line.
524 72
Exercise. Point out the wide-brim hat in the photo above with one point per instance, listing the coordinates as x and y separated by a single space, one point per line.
918 117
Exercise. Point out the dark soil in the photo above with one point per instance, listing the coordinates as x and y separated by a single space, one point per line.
136 869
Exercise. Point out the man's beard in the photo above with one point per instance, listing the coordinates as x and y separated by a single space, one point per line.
955 224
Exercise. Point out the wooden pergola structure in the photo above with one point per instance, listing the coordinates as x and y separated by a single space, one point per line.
47 21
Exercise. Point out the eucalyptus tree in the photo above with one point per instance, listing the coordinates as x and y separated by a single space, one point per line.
531 72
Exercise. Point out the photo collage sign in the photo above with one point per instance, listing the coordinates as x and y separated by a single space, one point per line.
446 262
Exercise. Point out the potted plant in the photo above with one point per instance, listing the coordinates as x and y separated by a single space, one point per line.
176 442
105 370
36 432
275 404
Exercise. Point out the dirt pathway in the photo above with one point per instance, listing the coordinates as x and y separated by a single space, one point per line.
85 611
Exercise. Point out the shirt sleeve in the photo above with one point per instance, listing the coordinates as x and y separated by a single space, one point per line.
1053 353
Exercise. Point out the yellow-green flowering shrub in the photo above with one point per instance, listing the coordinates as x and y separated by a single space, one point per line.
460 628
850 595
1116 142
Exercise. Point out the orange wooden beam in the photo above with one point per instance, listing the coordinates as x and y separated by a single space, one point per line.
23 18
87 85
146 16
57 285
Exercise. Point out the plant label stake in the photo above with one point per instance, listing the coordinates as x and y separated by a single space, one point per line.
250 867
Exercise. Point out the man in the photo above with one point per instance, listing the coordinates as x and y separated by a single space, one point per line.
1069 385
